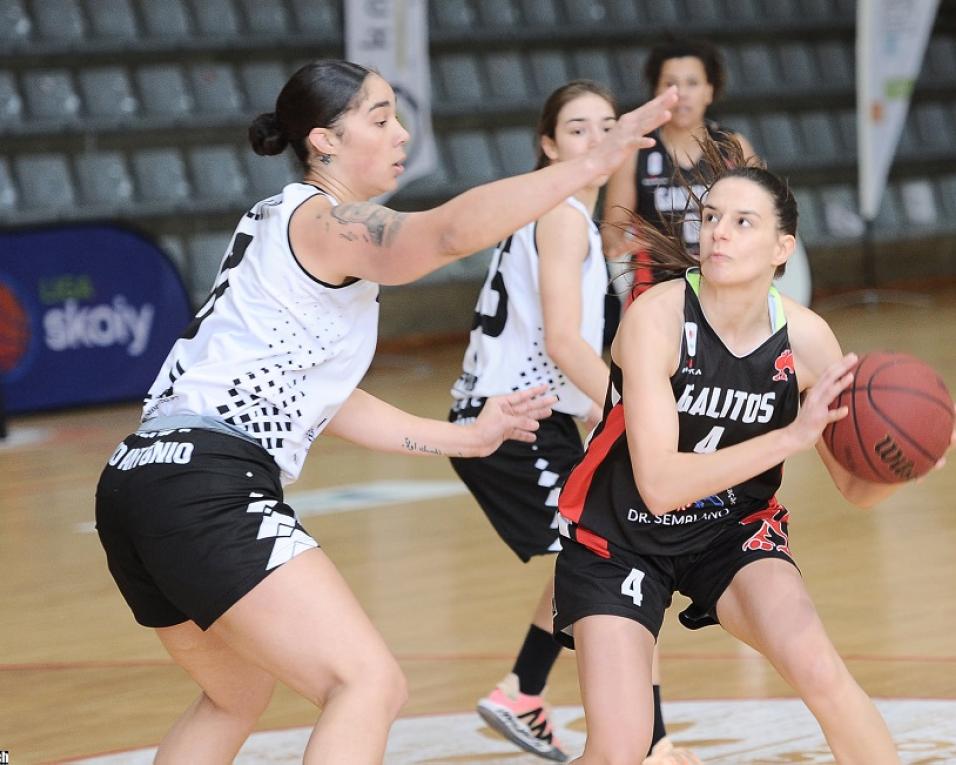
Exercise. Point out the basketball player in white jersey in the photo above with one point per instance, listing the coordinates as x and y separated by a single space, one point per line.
190 508
540 320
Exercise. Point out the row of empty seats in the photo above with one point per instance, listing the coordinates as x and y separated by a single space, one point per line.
828 214
87 97
58 23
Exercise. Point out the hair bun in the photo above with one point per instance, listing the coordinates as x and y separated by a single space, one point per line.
266 135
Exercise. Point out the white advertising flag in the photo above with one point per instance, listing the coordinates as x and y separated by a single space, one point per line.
891 38
391 37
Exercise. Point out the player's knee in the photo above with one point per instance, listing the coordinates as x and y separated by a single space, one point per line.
820 674
624 750
388 683
377 677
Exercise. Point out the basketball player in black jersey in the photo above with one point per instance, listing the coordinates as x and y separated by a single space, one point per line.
677 488
190 508
655 182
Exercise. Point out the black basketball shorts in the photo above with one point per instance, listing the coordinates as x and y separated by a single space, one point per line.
640 587
192 520
517 486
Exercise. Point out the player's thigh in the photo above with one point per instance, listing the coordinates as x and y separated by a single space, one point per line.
768 607
303 625
231 681
614 657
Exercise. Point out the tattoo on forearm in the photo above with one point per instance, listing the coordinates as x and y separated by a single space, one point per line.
414 446
381 224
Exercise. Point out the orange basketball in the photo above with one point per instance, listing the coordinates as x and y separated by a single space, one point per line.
14 330
900 421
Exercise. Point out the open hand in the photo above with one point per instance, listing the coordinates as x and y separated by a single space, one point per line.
815 413
629 134
512 416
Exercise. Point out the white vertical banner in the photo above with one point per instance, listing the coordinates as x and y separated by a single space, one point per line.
891 37
391 37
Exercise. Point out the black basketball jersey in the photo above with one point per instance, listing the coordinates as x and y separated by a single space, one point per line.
721 400
662 196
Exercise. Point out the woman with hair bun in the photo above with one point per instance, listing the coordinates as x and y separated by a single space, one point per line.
190 507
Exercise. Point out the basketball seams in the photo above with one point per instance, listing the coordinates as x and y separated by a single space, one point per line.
899 431
861 444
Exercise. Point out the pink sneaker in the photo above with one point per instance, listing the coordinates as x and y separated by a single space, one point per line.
665 753
524 720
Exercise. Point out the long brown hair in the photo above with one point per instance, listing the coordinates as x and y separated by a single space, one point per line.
722 157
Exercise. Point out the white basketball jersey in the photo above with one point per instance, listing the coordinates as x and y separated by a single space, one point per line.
273 351
506 351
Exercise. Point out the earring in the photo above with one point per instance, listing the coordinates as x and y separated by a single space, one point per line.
325 159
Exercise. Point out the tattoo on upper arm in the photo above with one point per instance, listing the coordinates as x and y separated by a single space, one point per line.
381 224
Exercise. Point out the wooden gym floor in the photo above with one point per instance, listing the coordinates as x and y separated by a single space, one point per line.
79 677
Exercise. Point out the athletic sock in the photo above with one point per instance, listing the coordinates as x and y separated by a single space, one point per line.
659 730
537 655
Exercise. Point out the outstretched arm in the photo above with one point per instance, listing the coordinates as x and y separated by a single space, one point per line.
371 242
370 422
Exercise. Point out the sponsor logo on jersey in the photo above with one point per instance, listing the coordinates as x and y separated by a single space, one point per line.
784 366
655 163
727 403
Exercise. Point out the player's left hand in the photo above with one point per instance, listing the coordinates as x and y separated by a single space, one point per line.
512 416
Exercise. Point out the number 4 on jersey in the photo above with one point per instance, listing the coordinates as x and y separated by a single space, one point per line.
631 586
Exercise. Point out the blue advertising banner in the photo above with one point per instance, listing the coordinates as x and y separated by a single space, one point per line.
87 315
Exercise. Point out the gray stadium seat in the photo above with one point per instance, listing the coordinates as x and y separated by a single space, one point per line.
452 15
58 20
939 65
215 89
947 188
935 126
216 18
738 123
593 64
704 12
164 90
662 14
317 17
205 253
265 17
45 182
549 70
262 81
165 19
920 207
160 175
103 178
836 58
8 192
781 140
841 212
15 23
107 93
540 13
216 173
630 73
820 133
517 148
586 12
798 66
461 77
11 105
809 226
112 19
472 157
507 76
50 94
267 175
889 218
623 11
499 13
757 67
176 249
846 122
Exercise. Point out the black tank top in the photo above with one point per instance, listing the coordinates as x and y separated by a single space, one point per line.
662 197
721 400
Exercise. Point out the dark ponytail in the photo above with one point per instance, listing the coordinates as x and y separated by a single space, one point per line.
266 136
317 95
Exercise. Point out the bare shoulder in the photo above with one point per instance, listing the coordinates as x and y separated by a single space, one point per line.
657 312
812 341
